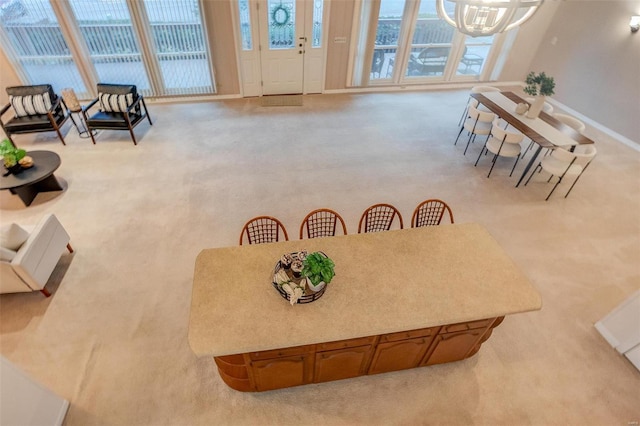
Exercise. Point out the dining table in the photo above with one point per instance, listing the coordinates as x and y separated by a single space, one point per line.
545 131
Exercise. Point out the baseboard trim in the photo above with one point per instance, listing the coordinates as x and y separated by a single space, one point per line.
420 87
613 134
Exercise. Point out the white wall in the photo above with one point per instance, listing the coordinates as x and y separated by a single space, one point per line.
595 60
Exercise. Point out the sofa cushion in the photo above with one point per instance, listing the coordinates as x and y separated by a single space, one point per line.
30 104
6 254
110 102
12 236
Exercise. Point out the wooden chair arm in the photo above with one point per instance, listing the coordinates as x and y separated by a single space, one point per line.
134 104
5 108
87 107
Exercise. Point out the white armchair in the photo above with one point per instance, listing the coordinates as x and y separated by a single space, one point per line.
33 262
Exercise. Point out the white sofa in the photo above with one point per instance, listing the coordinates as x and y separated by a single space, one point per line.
29 266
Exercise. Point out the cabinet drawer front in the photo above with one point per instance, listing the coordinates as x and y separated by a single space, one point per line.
404 335
349 343
464 326
277 353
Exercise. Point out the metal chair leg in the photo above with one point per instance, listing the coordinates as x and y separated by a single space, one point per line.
459 133
532 173
554 188
514 166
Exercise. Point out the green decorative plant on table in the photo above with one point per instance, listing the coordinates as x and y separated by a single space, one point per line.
318 269
538 86
11 156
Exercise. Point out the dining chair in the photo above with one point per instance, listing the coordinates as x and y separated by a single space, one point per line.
474 102
477 123
263 229
502 143
430 213
378 217
562 162
571 121
321 223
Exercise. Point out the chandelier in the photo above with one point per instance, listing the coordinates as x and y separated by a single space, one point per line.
485 17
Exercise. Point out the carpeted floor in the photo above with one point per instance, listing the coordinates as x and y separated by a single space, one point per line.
112 338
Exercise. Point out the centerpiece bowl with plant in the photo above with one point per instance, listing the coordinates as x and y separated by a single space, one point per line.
302 278
12 156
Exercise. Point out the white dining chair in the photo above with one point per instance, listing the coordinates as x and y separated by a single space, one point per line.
474 102
563 162
477 123
571 121
502 143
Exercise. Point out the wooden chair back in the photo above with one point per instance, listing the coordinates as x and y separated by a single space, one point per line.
263 229
378 217
430 213
321 223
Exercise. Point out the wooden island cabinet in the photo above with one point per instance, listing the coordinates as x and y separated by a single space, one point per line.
324 362
373 318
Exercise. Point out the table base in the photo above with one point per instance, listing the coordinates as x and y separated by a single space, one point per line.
28 193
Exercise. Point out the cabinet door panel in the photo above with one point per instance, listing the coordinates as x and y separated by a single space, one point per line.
454 346
341 363
400 355
282 372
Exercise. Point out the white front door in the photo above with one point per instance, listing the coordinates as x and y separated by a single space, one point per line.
282 46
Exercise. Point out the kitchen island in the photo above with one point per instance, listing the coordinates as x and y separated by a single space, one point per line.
400 299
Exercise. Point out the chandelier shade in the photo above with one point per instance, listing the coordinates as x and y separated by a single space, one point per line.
485 17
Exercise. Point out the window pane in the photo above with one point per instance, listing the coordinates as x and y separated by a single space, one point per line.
475 54
387 34
317 23
180 46
282 18
431 43
34 33
245 24
106 27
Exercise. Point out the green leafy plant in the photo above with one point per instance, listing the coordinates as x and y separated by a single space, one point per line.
318 267
10 154
539 84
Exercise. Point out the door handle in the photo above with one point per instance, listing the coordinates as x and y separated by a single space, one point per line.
301 51
303 38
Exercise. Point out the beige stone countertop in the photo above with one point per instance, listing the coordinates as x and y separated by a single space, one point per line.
385 282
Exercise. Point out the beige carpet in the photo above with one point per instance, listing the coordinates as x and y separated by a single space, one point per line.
113 336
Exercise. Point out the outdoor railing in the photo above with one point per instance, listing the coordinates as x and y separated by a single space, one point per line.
111 39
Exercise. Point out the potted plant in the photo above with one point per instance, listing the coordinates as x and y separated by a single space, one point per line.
538 86
318 269
11 156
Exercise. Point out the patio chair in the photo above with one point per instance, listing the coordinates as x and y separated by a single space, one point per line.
121 108
430 213
321 223
36 109
378 217
263 229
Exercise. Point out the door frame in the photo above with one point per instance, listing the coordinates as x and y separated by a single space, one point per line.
249 62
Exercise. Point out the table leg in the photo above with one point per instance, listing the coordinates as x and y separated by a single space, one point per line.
28 193
533 159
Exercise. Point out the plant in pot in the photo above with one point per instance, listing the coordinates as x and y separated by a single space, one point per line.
11 156
538 86
318 269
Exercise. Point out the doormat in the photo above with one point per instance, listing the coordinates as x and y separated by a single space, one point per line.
282 100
